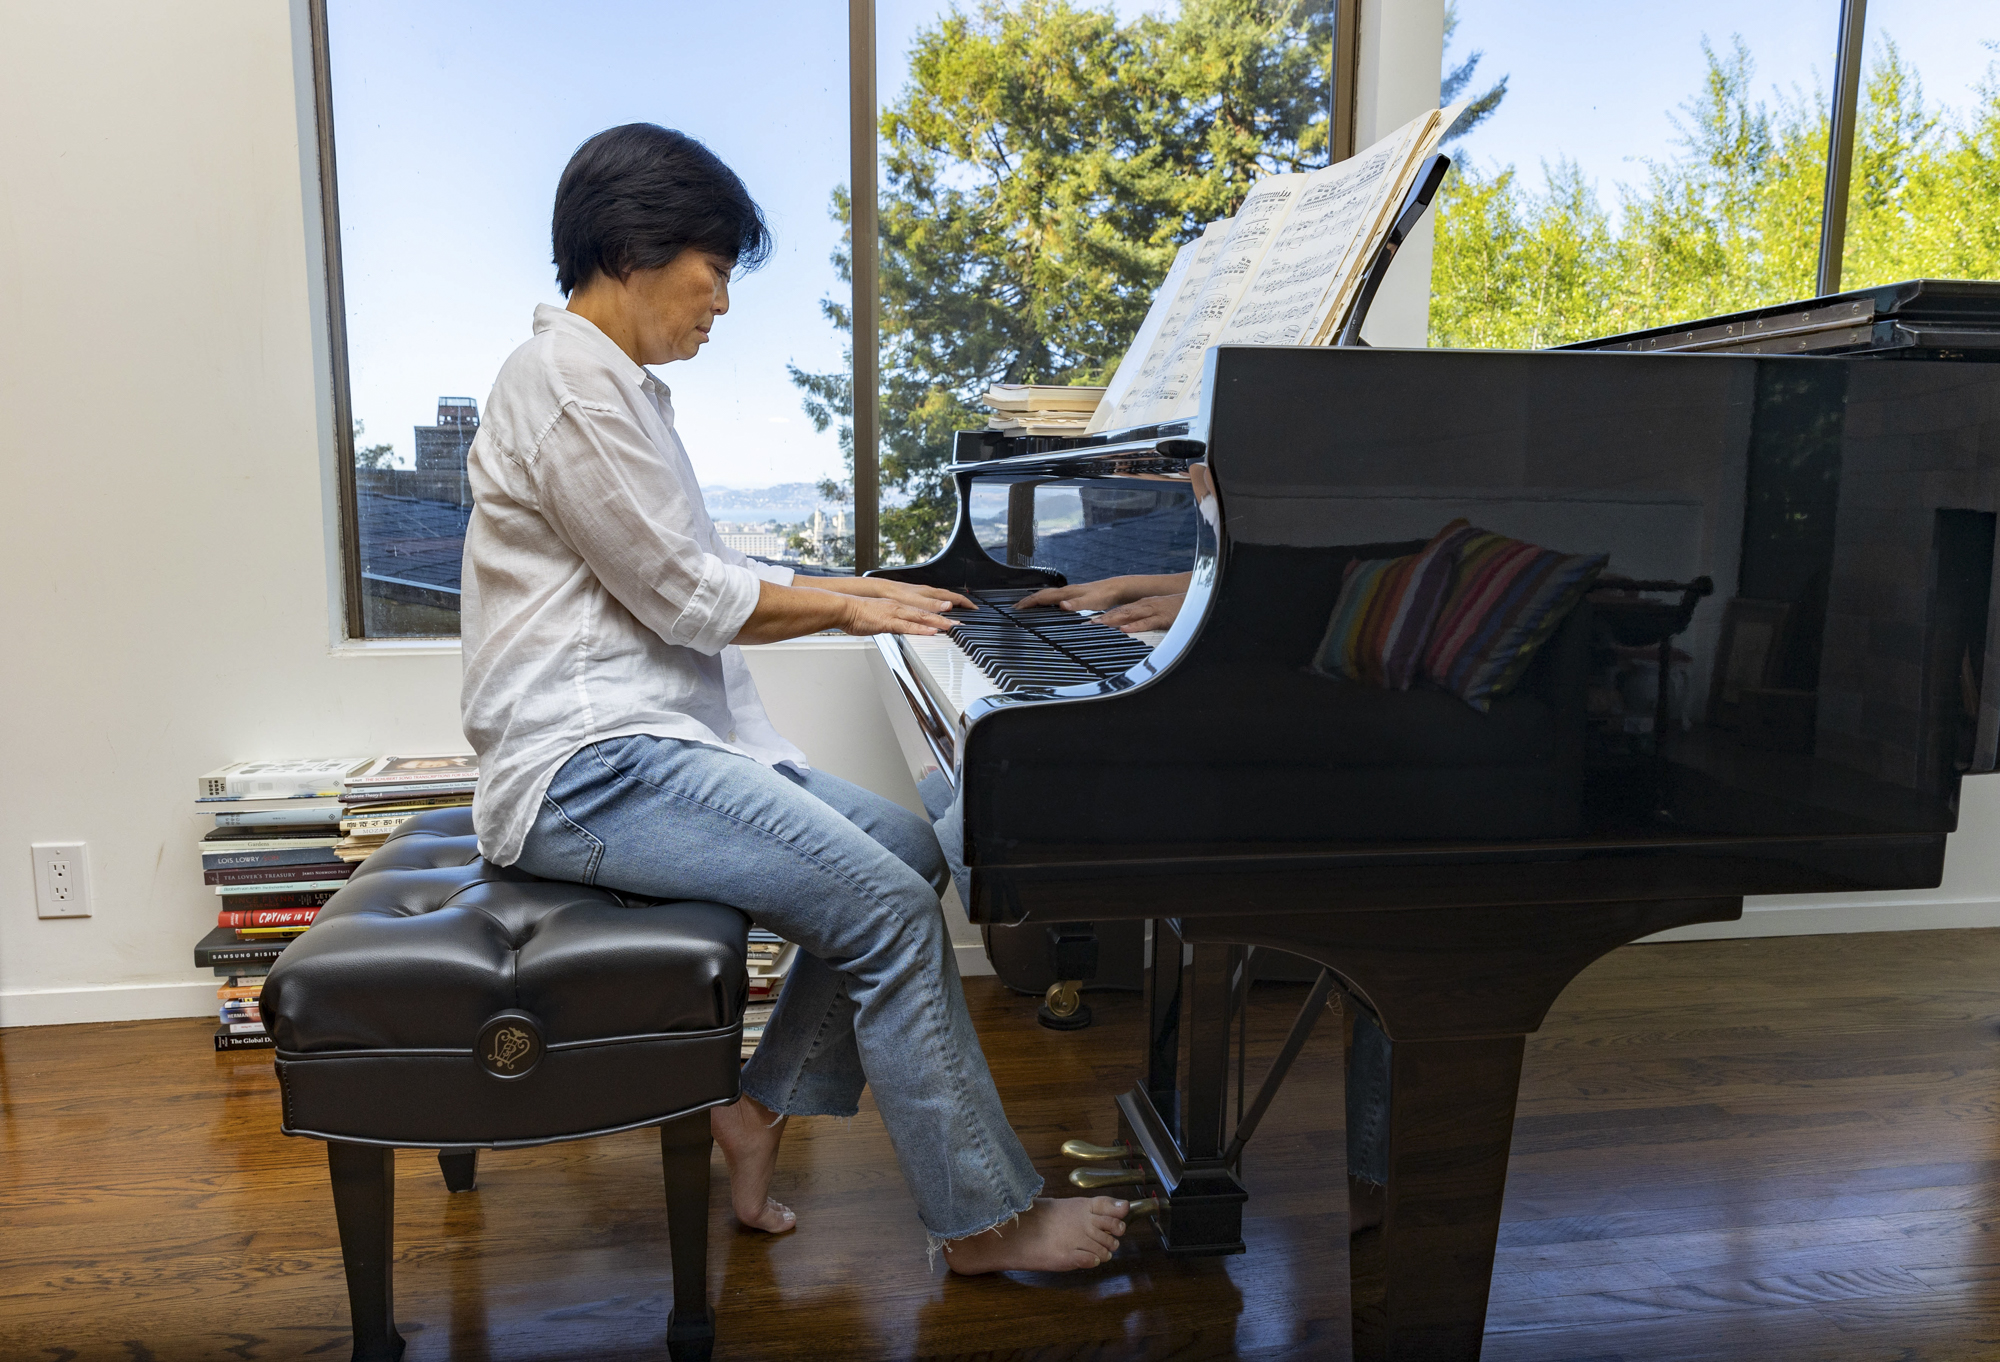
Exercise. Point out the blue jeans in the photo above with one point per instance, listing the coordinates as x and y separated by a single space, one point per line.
874 998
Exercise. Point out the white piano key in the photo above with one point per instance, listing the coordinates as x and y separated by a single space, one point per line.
952 678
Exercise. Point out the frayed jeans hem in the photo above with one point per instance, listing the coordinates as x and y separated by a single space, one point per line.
800 1108
935 1243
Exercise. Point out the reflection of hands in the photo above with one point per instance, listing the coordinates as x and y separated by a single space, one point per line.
1081 595
1144 616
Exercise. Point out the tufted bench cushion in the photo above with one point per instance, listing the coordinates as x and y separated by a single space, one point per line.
612 1011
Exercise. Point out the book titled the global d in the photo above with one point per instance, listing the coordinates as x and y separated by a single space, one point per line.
296 778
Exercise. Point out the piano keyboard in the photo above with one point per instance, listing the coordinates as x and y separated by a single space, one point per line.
994 650
1047 646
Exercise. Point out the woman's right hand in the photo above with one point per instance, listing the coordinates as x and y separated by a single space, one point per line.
868 615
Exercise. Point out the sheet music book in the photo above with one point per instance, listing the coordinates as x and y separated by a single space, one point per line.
1149 329
1174 370
1124 387
1317 260
1284 271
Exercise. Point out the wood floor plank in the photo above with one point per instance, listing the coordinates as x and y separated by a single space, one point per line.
1773 1150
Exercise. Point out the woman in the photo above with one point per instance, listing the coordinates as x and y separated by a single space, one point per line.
622 743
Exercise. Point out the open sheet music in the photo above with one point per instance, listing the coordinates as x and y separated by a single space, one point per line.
1284 271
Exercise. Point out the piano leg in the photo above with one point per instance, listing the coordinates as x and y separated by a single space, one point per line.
1163 1025
1429 1127
1191 1168
1441 1002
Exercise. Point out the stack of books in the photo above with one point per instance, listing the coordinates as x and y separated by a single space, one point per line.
375 801
770 960
271 859
1041 408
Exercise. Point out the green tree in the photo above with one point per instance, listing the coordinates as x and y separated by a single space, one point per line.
1040 169
1730 222
371 456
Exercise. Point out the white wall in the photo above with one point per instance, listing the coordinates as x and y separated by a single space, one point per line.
1399 64
163 550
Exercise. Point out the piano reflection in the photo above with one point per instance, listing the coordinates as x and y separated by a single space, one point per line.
1453 857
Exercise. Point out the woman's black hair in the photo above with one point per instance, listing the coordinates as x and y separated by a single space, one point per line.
636 196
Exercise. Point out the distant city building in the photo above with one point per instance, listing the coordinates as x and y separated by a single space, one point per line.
761 543
442 448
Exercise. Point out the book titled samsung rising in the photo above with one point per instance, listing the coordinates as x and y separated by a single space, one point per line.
221 947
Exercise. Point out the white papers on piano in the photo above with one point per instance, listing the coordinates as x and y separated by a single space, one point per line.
1042 408
1285 271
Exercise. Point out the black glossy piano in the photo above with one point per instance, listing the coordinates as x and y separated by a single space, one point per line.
1774 687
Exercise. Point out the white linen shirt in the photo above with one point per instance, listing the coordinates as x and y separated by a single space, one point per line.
596 600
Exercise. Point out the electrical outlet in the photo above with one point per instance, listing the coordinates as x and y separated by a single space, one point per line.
62 879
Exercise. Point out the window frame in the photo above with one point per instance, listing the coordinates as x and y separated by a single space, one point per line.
863 134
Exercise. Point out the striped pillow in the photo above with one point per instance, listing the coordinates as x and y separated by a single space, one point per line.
1507 597
1387 606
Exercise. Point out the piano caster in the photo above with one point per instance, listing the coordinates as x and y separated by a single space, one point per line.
1096 1179
1085 1152
1063 1007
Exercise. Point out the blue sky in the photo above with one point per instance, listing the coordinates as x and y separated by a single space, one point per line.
454 119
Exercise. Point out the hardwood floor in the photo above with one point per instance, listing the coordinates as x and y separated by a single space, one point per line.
1774 1150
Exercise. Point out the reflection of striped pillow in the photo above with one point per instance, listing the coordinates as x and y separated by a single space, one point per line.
1385 612
1507 598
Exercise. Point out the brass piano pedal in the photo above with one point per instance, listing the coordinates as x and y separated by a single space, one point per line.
1151 1205
1063 1008
1085 1152
1092 1179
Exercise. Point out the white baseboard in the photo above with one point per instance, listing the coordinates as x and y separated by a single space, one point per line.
148 1002
106 1003
1821 919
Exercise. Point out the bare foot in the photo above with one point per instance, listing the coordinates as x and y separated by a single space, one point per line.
748 1132
1054 1235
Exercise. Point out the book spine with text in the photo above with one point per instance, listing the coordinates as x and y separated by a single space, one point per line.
259 1040
319 816
289 857
317 872
253 901
266 917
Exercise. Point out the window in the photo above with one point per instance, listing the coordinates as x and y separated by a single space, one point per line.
1673 165
454 121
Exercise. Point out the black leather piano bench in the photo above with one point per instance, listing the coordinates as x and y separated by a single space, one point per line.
439 1002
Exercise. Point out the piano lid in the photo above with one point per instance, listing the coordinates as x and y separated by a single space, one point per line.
1916 319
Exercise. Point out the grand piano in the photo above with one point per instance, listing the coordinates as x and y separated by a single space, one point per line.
1775 688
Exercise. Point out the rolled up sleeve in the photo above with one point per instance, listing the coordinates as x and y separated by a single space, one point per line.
602 486
770 572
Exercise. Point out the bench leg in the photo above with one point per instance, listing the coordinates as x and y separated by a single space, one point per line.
460 1168
364 1204
684 1156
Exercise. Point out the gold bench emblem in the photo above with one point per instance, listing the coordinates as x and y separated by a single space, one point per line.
510 1044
